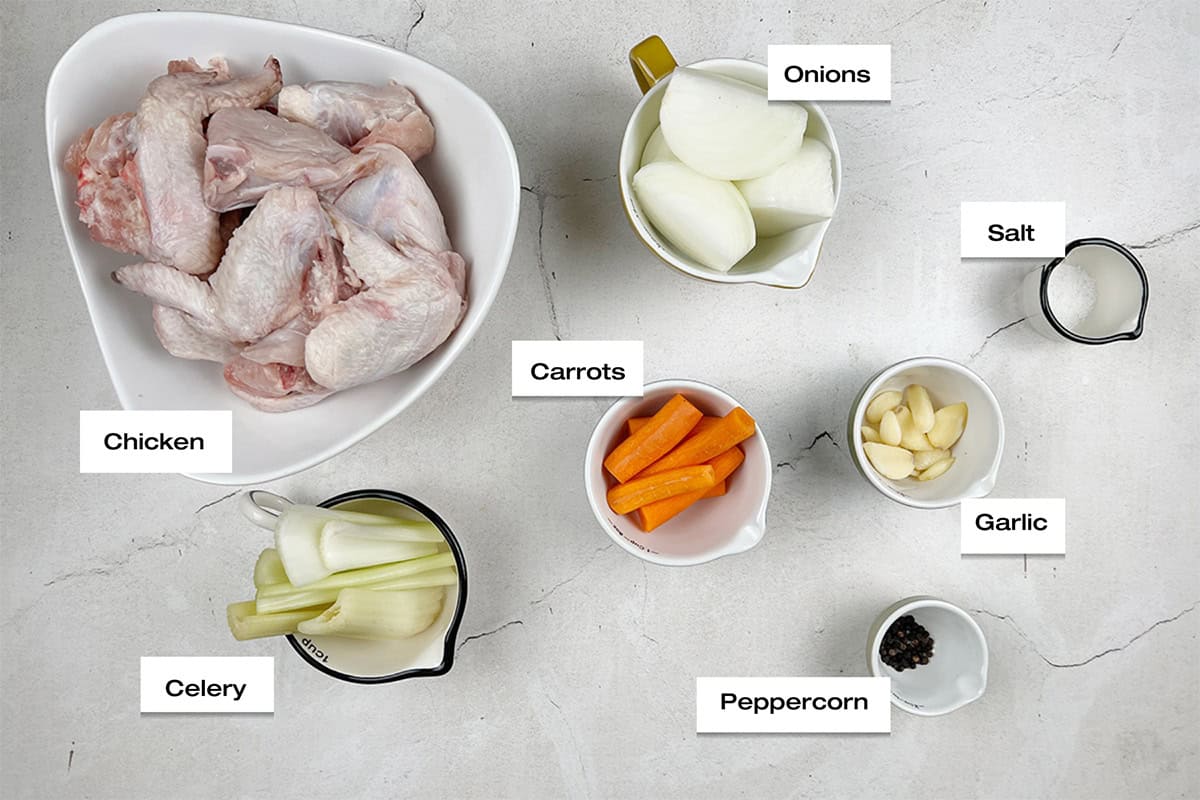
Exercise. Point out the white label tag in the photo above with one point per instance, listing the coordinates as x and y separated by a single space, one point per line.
576 369
793 705
829 72
1014 527
156 441
1014 230
208 684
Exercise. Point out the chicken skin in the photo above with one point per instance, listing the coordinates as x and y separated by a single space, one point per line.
411 301
252 151
258 285
358 115
395 202
139 176
302 251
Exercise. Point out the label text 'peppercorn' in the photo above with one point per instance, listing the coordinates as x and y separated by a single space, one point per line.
793 705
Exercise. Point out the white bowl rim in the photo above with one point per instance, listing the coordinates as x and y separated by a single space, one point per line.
592 455
906 606
460 343
624 182
871 389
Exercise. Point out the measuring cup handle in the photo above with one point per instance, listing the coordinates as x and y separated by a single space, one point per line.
651 62
262 508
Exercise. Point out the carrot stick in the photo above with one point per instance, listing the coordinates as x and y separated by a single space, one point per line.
650 516
637 423
625 497
734 427
665 430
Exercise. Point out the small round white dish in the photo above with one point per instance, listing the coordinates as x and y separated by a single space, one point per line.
977 453
720 526
429 653
957 672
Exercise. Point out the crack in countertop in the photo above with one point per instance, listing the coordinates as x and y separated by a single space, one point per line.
420 7
1071 665
546 594
107 568
822 435
988 338
220 499
547 287
486 634
1166 238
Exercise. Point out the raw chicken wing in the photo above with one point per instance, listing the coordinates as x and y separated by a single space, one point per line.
251 151
107 188
411 304
395 202
303 251
258 286
183 338
358 114
273 387
140 178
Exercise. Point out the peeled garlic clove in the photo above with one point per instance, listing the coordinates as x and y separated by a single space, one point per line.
924 459
890 462
656 149
725 128
706 219
889 428
884 401
917 398
937 470
797 192
948 425
869 434
910 437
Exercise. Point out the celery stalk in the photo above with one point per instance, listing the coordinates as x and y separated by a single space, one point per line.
298 540
268 569
361 577
342 550
245 623
398 530
309 555
370 614
307 597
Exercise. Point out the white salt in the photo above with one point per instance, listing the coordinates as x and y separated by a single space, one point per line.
1071 292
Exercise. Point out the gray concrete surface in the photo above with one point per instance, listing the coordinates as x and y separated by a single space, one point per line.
577 680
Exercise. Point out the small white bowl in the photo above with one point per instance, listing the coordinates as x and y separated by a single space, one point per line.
786 261
720 526
472 171
957 673
977 453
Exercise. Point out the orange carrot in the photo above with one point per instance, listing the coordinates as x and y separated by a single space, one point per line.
625 497
650 516
637 423
733 428
665 430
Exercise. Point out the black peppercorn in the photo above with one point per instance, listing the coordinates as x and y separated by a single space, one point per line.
906 644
